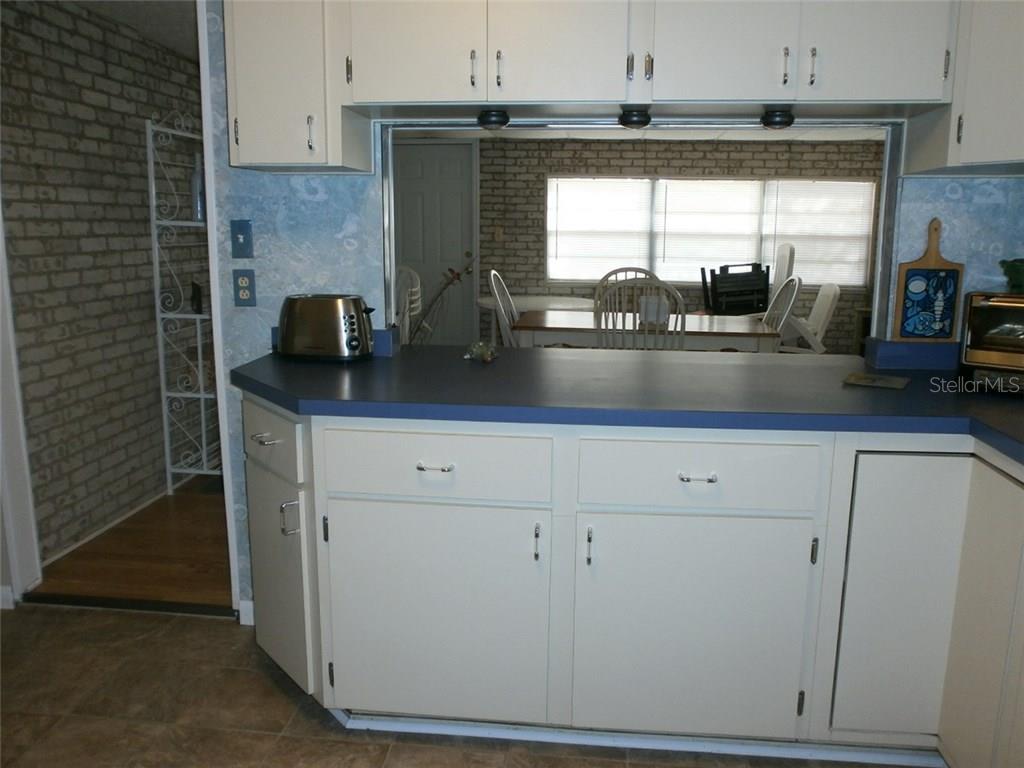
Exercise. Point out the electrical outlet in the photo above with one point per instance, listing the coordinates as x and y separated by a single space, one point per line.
244 282
241 239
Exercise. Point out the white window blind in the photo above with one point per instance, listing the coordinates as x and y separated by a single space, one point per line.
704 224
827 222
596 225
676 226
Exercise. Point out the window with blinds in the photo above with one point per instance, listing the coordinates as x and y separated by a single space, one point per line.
676 226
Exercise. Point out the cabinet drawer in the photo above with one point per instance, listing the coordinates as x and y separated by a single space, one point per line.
750 476
273 441
450 466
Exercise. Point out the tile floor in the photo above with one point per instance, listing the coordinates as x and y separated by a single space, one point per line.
84 688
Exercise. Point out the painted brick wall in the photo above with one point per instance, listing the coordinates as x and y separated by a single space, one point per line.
76 90
513 175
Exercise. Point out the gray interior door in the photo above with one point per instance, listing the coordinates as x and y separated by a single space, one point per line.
434 219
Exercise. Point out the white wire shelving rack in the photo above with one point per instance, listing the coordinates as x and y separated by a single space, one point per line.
184 337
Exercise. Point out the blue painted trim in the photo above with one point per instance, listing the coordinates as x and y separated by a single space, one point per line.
385 342
1006 445
883 354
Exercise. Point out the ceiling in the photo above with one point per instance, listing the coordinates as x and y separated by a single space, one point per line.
171 23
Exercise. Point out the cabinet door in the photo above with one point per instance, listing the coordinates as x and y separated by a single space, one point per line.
280 573
983 620
276 93
726 51
690 624
419 51
570 50
874 51
440 610
993 109
906 530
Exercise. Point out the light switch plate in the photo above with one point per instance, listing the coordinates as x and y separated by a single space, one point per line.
241 239
243 283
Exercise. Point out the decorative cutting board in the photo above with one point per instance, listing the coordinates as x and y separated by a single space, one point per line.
927 294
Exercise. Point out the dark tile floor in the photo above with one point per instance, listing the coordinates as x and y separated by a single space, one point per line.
84 688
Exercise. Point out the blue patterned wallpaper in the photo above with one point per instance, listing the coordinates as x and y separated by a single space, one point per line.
982 223
311 233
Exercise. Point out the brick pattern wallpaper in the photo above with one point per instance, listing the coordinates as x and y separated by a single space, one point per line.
513 177
76 90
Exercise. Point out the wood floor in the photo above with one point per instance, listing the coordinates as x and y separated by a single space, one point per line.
174 551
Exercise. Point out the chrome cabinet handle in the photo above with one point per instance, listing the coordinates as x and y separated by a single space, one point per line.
710 479
629 66
348 69
421 467
590 542
285 530
497 68
261 438
309 131
648 66
472 68
536 541
785 65
814 61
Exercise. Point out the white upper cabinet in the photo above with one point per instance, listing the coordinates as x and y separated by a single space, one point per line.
874 51
287 88
407 52
992 69
276 96
540 50
735 51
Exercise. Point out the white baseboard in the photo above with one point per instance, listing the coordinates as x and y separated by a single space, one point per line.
745 747
246 617
6 598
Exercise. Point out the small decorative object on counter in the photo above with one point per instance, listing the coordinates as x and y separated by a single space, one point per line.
928 290
1014 271
481 351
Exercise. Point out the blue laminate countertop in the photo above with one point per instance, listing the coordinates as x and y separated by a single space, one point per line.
626 388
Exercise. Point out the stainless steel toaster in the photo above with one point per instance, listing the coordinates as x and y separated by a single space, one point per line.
335 326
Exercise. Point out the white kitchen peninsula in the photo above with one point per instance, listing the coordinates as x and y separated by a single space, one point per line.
558 543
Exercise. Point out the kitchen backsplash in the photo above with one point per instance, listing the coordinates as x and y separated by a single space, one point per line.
312 233
982 223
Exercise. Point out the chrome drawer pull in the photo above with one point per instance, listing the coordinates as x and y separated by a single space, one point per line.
285 530
261 438
536 541
712 478
590 541
785 65
420 466
814 60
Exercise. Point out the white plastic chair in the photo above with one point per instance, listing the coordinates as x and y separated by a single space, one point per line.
813 328
781 307
506 310
783 269
643 313
409 294
618 275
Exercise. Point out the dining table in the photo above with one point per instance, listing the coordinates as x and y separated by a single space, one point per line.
529 303
581 328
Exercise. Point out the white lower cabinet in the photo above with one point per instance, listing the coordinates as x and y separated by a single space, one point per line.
906 530
440 610
690 624
981 724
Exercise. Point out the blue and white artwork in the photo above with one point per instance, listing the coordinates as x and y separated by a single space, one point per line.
929 303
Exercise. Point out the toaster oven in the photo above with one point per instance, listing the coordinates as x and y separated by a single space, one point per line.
993 337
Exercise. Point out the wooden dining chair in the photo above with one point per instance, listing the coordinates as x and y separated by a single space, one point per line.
781 307
618 275
409 293
642 313
506 310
